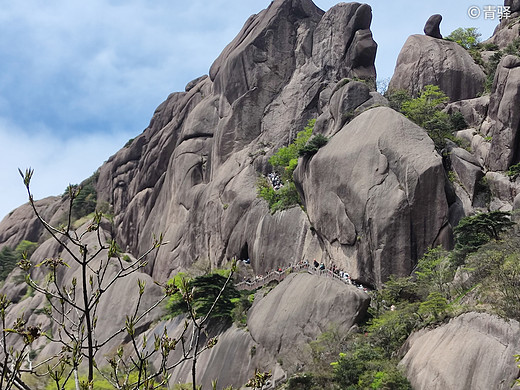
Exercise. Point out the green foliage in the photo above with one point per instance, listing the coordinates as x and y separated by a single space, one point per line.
100 383
474 231
491 69
309 382
423 109
433 273
26 248
513 48
496 270
368 360
350 366
396 98
468 38
517 359
434 306
513 171
392 328
426 111
363 368
8 260
286 155
284 162
397 290
202 292
458 122
259 380
282 199
314 144
287 197
266 191
241 306
85 197
489 46
384 375
325 349
85 202
185 386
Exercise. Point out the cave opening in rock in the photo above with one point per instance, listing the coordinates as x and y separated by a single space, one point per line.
244 252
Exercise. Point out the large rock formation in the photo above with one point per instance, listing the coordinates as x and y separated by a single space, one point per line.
508 29
432 26
375 197
473 351
279 326
115 303
22 224
503 121
424 60
192 173
365 194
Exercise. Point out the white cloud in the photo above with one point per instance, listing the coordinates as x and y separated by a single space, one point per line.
57 162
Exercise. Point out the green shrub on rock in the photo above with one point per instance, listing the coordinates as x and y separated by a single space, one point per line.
468 38
314 144
284 162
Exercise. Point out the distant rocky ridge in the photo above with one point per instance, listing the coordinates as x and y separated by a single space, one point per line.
375 197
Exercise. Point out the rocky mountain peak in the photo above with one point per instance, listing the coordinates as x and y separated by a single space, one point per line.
192 173
373 198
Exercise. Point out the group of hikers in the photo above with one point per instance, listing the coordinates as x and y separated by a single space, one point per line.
275 180
316 268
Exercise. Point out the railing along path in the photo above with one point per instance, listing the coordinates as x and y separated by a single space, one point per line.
281 275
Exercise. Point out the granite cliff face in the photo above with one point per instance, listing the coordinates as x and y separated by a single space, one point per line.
192 173
371 208
473 351
426 60
374 198
279 326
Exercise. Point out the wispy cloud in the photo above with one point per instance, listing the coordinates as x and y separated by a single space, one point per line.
57 161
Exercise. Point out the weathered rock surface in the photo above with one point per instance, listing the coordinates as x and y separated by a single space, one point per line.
117 301
279 325
472 351
474 110
503 119
432 26
375 196
192 173
365 193
424 60
300 309
479 145
506 32
467 168
22 224
513 4
503 189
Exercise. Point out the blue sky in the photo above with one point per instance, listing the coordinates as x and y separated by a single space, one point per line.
78 79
